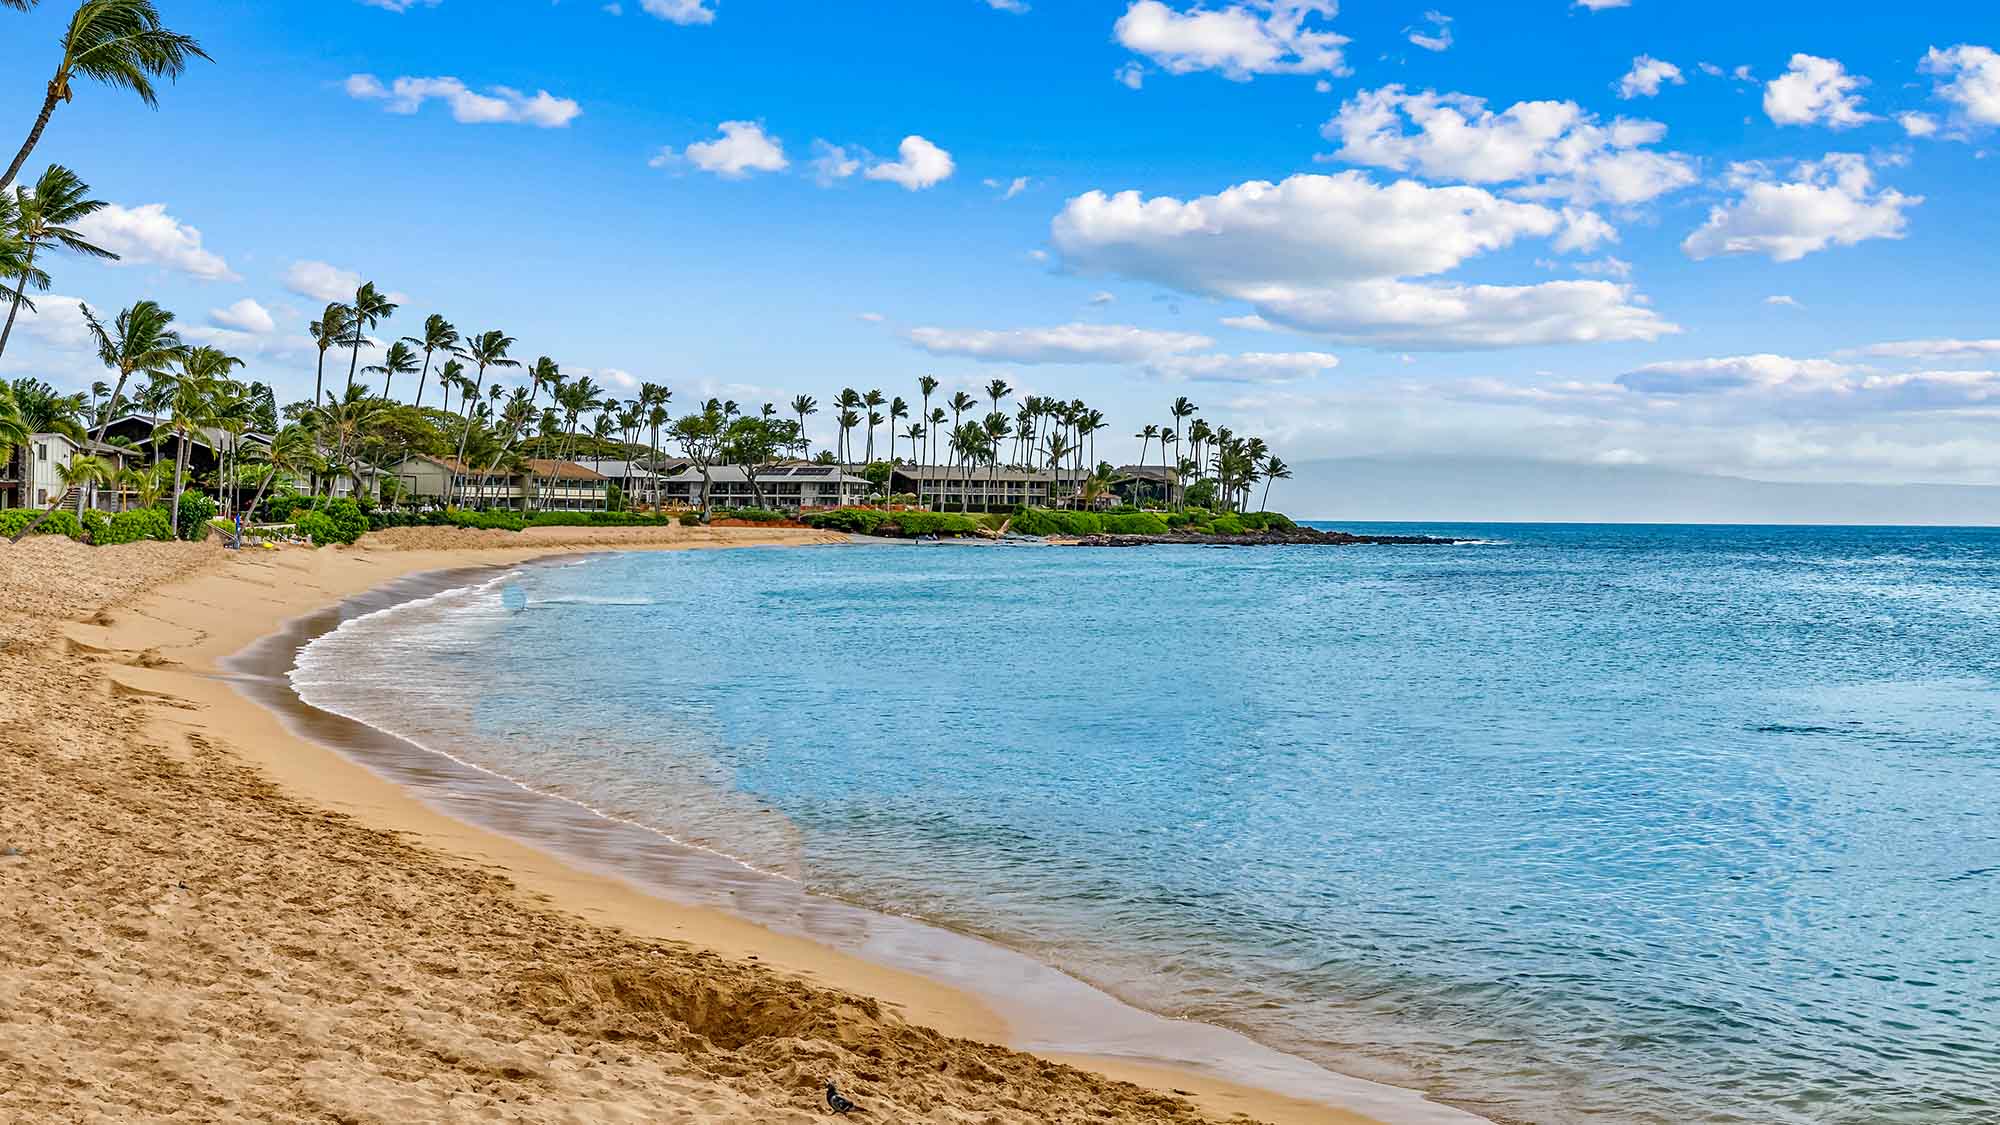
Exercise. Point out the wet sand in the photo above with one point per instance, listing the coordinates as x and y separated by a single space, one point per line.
461 942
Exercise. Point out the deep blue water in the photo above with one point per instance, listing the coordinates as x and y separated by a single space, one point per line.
1611 823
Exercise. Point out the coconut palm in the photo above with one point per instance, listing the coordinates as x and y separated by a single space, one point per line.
141 340
488 349
846 420
370 308
1181 410
968 445
448 381
329 331
805 406
438 336
871 400
400 359
290 455
898 410
848 402
120 43
13 430
44 218
192 404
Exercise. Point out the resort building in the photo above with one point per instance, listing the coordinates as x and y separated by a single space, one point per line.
545 486
1144 486
787 487
947 487
31 476
638 481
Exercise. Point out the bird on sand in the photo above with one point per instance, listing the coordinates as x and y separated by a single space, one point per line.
838 1104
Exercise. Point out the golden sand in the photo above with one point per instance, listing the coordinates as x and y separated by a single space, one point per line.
207 918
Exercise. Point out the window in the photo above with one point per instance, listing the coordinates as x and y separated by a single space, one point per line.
41 451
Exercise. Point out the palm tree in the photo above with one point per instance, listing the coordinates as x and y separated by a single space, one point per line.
846 420
805 406
1181 410
916 434
400 359
898 410
13 430
290 454
449 377
370 308
119 43
43 222
330 330
438 336
998 426
192 404
348 417
488 349
144 343
871 400
968 444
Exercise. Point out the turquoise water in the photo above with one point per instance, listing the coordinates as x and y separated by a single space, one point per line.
1606 823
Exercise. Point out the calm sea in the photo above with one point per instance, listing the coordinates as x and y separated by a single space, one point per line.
1576 823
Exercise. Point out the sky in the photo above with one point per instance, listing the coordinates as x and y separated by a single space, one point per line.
1607 232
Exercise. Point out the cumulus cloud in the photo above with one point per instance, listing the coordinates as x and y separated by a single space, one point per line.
1331 254
1969 79
1553 150
245 315
1646 77
832 163
1239 41
147 235
1250 323
1068 343
324 282
499 105
1828 202
743 148
687 13
57 321
1818 90
1437 37
1728 373
921 165
1917 124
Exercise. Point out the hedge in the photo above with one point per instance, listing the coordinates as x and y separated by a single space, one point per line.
63 522
196 510
1136 523
135 525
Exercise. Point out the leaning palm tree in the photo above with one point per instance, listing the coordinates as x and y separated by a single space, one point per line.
120 43
43 221
145 342
438 336
400 359
329 331
82 471
448 380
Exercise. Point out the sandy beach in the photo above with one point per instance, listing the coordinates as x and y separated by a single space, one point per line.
212 918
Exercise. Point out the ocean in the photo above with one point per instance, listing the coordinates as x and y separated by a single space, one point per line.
1646 824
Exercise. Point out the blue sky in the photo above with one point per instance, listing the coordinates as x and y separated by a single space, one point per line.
1524 236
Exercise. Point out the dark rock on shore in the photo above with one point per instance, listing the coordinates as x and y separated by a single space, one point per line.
1296 537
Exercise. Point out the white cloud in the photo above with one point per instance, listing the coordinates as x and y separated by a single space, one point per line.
321 281
1014 6
683 12
1554 150
922 165
1647 75
1710 69
1816 90
832 162
499 105
1240 40
742 149
1132 76
1974 86
1934 349
1783 301
1729 373
1604 267
1600 5
1103 297
147 236
57 321
1827 202
1008 189
245 315
1437 38
1068 343
1329 254
1250 323
401 5
1246 367
1917 124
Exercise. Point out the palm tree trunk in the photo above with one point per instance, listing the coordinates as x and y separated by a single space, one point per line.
180 462
35 134
422 379
39 521
20 290
111 407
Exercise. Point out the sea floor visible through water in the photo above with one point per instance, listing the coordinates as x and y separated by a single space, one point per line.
1647 824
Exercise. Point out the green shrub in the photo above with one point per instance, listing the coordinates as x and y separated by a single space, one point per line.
63 522
1228 525
318 527
279 506
349 522
135 525
913 524
95 525
1057 521
1278 521
854 521
196 510
691 519
1135 523
751 515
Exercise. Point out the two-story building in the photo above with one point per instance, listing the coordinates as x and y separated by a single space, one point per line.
792 487
544 485
31 477
979 488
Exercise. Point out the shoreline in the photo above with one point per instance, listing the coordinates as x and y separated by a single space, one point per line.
195 669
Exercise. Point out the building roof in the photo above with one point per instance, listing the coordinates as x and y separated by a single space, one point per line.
560 470
1003 475
622 470
1160 473
779 474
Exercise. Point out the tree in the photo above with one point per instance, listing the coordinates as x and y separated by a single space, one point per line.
119 43
400 359
1274 469
488 349
805 406
449 377
144 342
700 437
369 309
1181 410
43 221
329 331
968 445
754 443
290 454
438 336
849 402
13 429
926 385
898 410
192 404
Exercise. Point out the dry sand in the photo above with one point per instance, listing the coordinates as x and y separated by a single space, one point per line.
207 918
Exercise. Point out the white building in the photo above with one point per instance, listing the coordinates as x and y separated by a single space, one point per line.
786 487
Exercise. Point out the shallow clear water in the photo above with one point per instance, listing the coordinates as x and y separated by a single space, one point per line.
1639 824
